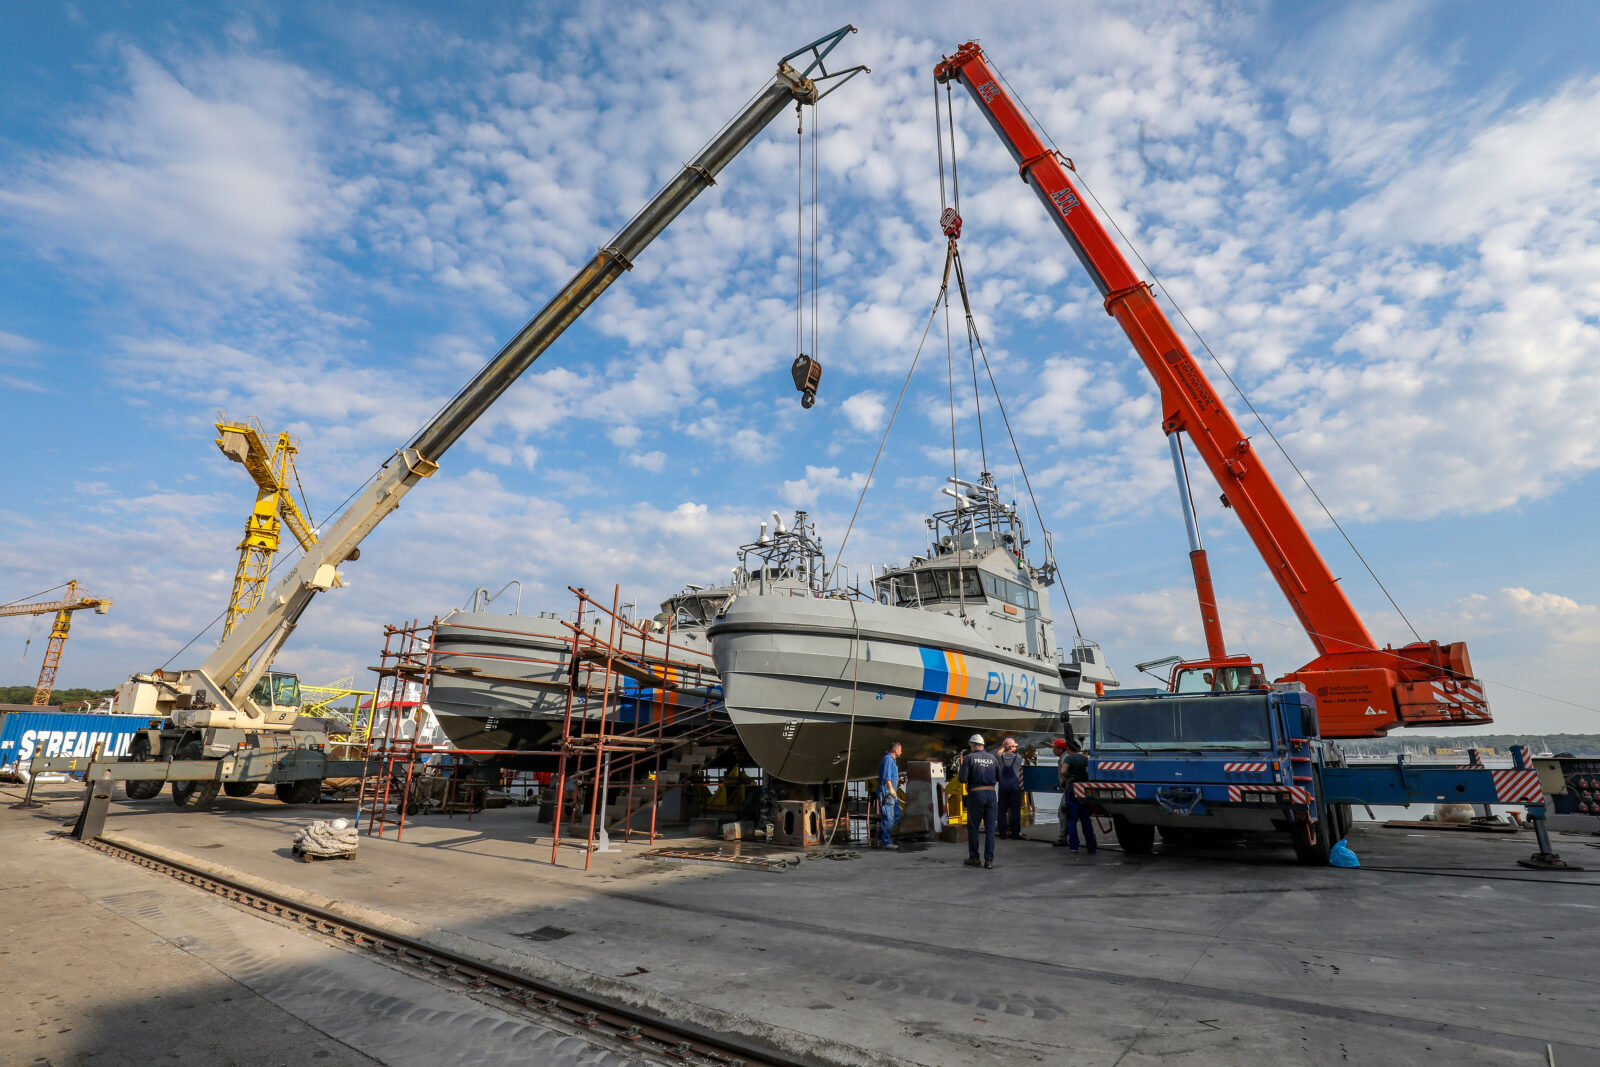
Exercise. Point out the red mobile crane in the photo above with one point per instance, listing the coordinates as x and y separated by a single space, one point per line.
1362 690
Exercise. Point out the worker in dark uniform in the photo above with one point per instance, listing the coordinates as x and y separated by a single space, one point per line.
1010 791
980 773
1059 746
888 799
1075 809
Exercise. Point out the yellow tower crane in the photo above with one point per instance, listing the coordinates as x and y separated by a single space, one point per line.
273 470
71 601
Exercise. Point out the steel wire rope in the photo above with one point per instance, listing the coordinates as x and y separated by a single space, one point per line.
34 596
799 226
972 325
955 456
1231 381
933 313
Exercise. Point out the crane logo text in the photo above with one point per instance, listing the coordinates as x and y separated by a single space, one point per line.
1064 201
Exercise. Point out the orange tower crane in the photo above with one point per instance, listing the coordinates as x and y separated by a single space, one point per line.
273 470
71 601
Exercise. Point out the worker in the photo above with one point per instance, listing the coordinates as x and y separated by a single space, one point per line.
1010 791
888 799
1075 809
980 773
1059 747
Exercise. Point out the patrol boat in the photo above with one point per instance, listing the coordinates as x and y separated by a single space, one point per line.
957 641
501 680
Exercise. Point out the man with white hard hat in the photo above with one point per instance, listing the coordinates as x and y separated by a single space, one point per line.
980 773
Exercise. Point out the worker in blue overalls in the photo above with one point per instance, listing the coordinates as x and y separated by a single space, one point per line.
980 773
888 799
1010 792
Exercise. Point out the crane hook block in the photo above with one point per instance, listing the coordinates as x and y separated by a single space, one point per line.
950 223
807 375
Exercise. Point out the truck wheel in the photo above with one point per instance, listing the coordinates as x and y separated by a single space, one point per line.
1136 839
239 789
139 752
197 795
1313 853
304 791
1342 821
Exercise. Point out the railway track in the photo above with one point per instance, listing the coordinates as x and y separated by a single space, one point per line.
604 1022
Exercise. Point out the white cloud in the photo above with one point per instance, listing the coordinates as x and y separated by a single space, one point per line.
650 461
865 411
820 482
212 173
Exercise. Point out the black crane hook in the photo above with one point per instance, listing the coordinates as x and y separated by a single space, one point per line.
807 375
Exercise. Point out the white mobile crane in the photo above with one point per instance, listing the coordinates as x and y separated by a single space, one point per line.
230 722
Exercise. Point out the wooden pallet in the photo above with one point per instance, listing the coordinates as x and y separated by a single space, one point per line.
307 857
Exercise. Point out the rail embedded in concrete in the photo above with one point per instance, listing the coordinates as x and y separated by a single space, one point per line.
629 1028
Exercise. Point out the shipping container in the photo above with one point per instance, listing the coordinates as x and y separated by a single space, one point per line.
24 734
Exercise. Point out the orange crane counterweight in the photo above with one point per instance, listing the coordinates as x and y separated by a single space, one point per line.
1362 690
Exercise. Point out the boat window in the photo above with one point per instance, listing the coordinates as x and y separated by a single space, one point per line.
1009 592
928 585
952 586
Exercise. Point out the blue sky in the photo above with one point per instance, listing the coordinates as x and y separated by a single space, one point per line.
1380 217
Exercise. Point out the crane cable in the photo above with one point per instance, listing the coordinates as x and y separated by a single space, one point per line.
975 343
1237 388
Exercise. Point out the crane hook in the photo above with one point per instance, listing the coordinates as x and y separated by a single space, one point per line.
807 375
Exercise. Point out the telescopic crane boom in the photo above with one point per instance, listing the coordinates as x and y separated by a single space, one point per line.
219 692
1362 690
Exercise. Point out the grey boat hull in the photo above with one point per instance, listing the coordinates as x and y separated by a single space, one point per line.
817 688
505 677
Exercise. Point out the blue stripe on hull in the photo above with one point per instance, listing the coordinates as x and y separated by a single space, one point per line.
935 677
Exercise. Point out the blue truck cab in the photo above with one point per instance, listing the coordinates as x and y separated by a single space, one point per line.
1246 760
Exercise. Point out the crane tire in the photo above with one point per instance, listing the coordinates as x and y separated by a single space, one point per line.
303 791
139 752
194 795
239 789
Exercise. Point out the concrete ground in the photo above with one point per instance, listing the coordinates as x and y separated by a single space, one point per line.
1438 950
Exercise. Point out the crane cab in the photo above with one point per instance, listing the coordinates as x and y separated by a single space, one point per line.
1230 675
278 695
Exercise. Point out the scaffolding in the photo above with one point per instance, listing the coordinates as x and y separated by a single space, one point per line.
637 710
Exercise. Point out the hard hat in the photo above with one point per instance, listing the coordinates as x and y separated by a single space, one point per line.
975 739
1059 743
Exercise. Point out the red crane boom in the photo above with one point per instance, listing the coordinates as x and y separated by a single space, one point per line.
1362 690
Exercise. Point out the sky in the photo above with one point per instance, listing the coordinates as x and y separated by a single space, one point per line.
1380 218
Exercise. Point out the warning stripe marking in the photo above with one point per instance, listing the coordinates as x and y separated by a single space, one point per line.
1514 786
1082 789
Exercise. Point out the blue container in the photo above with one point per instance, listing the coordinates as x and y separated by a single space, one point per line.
24 734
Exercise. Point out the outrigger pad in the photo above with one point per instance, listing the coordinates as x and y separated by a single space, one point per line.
1547 861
